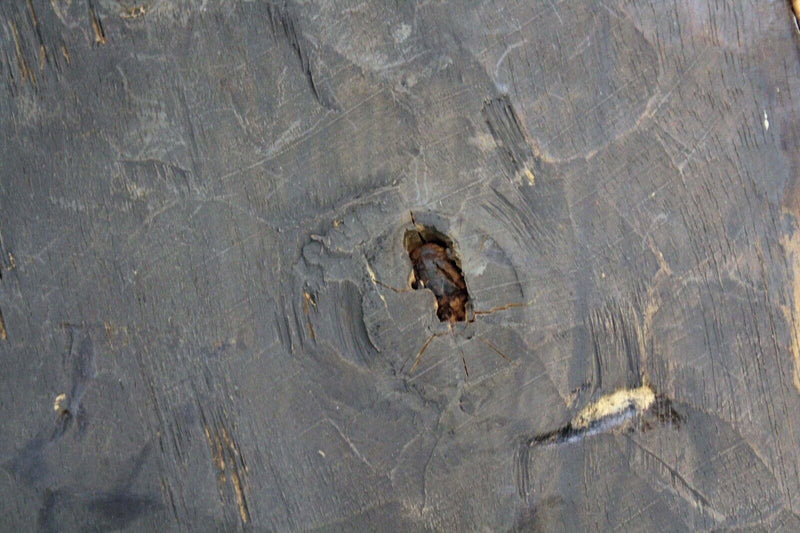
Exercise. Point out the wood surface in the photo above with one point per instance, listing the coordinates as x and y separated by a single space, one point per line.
206 314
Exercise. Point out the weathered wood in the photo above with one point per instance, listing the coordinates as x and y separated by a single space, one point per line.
206 321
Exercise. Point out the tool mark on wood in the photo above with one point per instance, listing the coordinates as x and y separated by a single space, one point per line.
35 23
610 413
308 303
97 26
25 71
626 410
606 414
281 18
509 134
229 463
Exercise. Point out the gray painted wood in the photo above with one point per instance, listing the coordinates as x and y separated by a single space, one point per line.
205 296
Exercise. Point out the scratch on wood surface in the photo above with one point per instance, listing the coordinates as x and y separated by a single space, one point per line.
42 49
229 464
790 242
3 334
679 483
97 27
350 443
308 299
32 11
375 282
284 20
512 140
791 312
25 72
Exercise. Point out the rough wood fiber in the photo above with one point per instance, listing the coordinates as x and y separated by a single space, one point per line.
205 314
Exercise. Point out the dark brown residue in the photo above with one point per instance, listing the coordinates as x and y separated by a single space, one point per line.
661 413
437 268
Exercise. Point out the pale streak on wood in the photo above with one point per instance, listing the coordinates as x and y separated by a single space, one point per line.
613 404
791 244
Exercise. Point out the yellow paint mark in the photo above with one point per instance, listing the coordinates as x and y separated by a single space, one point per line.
613 404
796 10
60 403
529 175
3 334
65 53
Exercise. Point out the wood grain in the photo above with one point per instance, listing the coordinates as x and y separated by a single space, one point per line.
202 213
